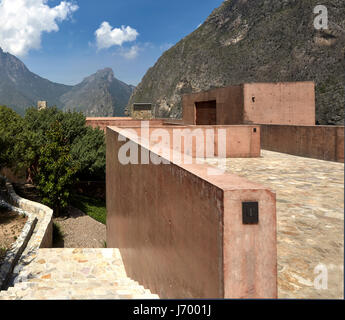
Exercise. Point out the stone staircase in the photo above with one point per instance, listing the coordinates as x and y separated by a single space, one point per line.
56 274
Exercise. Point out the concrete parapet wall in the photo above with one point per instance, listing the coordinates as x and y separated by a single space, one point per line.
319 142
43 236
180 230
37 233
240 141
17 248
103 122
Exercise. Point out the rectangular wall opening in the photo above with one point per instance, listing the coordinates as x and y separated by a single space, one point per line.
206 113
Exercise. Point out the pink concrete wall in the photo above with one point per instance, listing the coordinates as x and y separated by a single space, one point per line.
103 122
229 105
250 271
180 233
291 103
319 142
241 141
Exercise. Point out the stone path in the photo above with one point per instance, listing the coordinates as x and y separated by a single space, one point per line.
75 274
310 219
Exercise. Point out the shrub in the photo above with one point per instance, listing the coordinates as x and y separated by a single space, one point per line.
11 125
89 151
56 170
55 149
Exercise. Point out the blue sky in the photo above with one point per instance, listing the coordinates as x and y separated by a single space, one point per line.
72 52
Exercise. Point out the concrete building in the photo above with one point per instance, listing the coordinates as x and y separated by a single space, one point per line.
183 233
259 103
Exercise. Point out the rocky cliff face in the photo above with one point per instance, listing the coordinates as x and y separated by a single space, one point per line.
100 94
254 41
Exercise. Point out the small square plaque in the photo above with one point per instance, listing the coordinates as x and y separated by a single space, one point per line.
250 212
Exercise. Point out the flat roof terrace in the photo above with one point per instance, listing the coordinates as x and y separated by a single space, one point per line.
310 218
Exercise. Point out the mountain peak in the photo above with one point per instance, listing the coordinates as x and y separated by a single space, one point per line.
105 74
105 71
100 94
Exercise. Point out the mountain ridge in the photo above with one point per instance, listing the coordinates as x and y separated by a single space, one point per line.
20 88
253 41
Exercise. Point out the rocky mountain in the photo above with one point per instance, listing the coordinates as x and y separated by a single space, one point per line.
20 88
100 94
254 41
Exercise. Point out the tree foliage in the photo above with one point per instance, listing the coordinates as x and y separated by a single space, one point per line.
56 148
11 124
89 151
37 123
56 169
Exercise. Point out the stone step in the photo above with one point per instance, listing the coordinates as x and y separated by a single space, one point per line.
66 276
74 294
58 294
56 290
75 274
129 284
119 280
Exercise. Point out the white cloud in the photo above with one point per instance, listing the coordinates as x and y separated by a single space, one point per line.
23 21
132 53
106 36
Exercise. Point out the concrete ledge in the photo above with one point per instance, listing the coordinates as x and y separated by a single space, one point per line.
13 255
43 234
318 142
103 122
241 141
37 233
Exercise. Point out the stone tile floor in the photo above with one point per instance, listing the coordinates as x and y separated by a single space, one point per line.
63 273
310 219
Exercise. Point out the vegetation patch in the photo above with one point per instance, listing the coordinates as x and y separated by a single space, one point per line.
55 148
58 234
95 208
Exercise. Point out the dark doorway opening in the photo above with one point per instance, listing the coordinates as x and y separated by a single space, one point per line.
206 113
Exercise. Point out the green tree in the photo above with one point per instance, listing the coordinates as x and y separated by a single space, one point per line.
56 169
11 124
55 148
33 136
88 150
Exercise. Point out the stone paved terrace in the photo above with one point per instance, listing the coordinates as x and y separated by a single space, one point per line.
310 219
58 274
310 230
